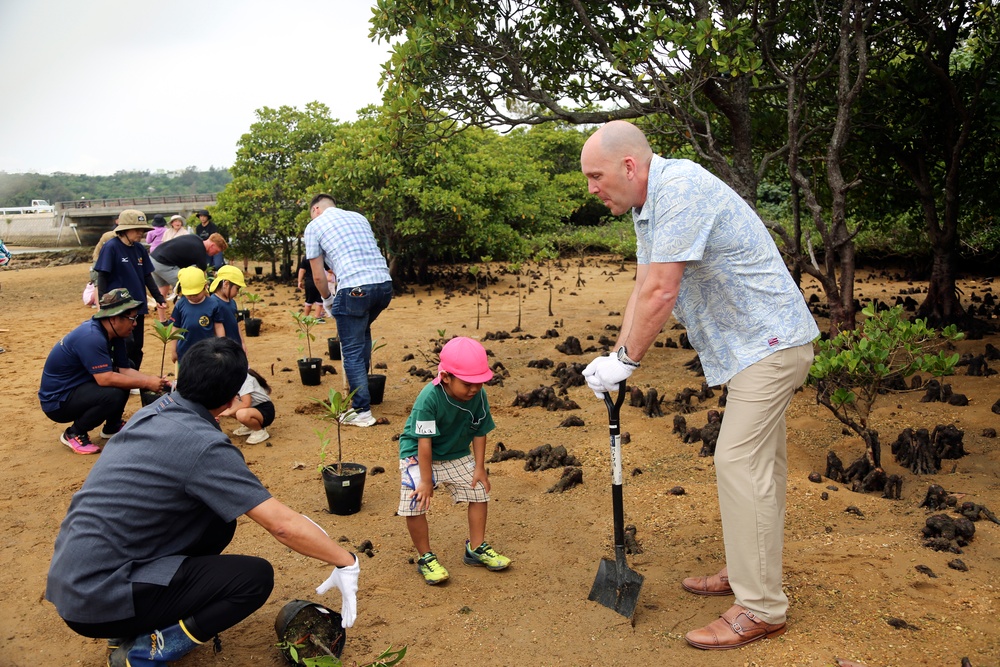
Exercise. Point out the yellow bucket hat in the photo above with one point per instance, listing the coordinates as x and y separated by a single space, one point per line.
192 280
230 273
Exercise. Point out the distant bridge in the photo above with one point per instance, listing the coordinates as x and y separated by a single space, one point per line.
89 218
82 221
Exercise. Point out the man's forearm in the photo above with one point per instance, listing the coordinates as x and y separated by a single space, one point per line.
299 533
127 378
319 277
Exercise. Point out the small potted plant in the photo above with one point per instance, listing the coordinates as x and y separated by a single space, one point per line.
344 482
164 332
310 635
376 381
333 348
242 314
310 367
252 323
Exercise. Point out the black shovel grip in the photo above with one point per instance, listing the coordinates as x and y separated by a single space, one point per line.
615 407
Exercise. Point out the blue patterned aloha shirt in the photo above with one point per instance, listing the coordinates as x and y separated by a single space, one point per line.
737 298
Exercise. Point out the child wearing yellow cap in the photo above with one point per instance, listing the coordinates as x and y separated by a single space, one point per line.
201 316
227 284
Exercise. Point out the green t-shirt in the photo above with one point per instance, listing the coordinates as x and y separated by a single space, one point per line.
449 423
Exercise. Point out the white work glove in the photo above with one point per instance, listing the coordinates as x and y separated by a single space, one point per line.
604 373
346 579
328 302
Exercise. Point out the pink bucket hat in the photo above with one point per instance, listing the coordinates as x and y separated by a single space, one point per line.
465 359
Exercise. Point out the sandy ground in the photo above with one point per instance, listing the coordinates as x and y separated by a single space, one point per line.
846 575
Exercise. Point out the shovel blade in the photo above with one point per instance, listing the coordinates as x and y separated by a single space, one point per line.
616 587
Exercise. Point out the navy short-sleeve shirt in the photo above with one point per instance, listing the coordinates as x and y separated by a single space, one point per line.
198 318
227 311
126 266
83 352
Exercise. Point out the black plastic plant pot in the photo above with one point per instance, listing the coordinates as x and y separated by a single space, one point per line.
333 347
344 491
311 371
253 326
309 626
148 397
259 270
376 388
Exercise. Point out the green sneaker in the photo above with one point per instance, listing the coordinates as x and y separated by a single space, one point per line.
432 571
486 556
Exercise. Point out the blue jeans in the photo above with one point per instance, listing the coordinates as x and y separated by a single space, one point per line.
355 309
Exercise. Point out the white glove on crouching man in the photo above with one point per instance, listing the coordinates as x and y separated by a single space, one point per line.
346 579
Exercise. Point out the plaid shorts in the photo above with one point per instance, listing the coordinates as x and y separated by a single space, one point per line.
456 475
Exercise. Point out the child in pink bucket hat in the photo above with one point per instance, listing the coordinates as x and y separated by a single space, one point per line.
444 442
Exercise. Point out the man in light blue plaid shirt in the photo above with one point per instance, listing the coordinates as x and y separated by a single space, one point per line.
362 290
706 258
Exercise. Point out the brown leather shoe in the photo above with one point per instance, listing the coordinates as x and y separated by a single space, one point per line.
737 627
717 584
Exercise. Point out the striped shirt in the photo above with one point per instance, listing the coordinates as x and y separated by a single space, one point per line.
347 241
737 298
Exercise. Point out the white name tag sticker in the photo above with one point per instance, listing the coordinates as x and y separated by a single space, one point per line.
426 428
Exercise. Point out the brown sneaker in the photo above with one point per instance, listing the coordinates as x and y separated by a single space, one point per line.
737 627
716 584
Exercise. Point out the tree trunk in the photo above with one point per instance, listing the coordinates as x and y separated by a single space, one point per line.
872 446
286 255
807 130
942 305
796 234
846 311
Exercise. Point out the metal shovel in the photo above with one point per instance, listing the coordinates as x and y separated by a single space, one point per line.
616 586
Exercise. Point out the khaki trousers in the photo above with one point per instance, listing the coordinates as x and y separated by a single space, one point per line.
751 465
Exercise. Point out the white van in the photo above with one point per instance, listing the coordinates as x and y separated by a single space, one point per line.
40 206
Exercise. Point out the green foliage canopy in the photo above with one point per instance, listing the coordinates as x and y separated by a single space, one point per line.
274 168
457 197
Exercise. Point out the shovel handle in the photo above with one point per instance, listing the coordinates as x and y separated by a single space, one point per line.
615 406
614 427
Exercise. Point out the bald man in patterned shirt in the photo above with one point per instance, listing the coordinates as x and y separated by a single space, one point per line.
705 257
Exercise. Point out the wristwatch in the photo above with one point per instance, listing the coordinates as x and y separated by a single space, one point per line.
623 357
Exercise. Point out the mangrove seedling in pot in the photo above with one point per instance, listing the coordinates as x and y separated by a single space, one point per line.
305 323
166 332
250 321
376 346
253 299
336 408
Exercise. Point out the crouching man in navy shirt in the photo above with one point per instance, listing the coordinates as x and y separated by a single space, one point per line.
87 376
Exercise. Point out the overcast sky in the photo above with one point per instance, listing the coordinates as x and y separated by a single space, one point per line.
98 86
